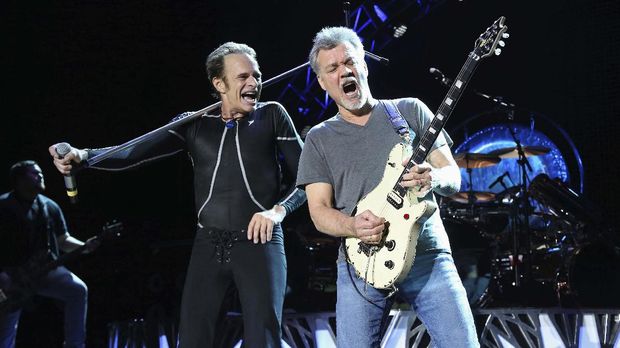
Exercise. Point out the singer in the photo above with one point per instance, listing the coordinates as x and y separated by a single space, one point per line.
239 239
32 232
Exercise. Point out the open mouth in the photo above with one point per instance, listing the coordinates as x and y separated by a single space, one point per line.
349 88
250 96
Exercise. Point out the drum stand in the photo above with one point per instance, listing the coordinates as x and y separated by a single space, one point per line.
521 208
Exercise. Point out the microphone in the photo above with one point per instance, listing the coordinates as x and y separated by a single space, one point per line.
440 76
62 149
500 179
377 58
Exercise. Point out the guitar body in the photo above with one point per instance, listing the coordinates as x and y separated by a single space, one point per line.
389 262
24 279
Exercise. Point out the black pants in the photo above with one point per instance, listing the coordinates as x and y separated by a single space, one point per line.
258 271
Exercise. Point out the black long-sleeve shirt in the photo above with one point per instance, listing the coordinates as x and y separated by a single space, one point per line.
237 171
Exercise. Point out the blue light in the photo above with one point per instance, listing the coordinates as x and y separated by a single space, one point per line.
382 16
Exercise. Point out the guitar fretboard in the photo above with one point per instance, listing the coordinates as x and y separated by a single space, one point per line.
423 145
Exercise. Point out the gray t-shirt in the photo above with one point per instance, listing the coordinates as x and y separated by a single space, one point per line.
352 159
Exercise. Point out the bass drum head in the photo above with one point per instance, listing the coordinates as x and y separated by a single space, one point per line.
594 276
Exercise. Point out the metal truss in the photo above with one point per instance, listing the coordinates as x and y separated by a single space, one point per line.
375 23
503 328
517 327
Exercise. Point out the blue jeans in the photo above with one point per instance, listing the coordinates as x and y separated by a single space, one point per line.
59 284
434 290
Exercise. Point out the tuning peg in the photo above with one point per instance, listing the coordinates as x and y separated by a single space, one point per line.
505 35
502 43
498 51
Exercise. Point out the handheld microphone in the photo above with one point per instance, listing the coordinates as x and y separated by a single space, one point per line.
62 149
498 180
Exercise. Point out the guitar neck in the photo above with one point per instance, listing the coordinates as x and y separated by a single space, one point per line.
426 141
62 259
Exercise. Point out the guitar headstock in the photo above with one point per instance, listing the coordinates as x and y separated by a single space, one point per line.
111 229
487 43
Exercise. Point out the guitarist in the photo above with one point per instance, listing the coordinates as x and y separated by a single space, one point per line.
343 159
32 232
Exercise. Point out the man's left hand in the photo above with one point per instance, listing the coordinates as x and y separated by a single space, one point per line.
418 179
91 244
260 227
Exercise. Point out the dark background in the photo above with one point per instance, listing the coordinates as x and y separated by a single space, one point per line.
97 73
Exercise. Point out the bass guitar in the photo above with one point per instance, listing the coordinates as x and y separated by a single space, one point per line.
24 279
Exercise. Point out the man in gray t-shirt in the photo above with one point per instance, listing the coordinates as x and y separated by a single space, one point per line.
343 159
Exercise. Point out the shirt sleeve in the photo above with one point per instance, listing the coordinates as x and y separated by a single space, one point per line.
312 164
160 146
59 223
290 146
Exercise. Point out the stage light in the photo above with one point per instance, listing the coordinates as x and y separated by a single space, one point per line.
382 16
399 31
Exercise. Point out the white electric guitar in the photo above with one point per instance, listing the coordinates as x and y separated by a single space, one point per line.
389 262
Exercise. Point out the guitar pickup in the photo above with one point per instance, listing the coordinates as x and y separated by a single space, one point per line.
395 199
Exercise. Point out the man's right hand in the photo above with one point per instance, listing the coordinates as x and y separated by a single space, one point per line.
368 227
64 164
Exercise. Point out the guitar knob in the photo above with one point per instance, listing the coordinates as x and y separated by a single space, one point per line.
390 244
502 43
498 51
389 264
505 35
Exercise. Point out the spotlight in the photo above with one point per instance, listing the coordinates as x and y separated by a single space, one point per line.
400 30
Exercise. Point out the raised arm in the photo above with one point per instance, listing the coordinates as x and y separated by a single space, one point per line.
160 146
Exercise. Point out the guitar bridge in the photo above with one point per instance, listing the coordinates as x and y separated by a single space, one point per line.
395 199
367 249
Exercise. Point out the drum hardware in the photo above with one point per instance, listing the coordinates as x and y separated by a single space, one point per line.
517 261
469 161
522 204
475 160
512 152
562 201
478 196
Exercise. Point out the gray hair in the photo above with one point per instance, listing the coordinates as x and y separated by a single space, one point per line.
330 37
215 60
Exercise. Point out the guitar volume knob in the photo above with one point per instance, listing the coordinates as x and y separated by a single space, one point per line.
389 264
390 244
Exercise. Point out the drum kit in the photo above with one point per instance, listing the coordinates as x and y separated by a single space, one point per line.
534 243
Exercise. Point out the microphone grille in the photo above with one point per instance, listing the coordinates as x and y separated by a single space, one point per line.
62 149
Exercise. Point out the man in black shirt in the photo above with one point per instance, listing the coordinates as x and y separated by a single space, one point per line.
239 203
33 230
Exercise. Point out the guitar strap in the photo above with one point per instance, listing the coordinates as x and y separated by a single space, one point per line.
398 122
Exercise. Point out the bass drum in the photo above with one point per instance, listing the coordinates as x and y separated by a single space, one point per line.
591 277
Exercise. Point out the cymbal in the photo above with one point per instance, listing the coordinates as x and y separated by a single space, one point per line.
476 160
479 196
529 151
